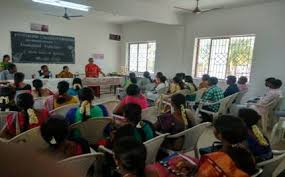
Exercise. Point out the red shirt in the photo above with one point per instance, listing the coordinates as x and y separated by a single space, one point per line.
92 70
141 100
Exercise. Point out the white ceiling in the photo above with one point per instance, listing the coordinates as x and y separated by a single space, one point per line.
123 11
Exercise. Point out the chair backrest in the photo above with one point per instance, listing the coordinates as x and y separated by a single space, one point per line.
240 96
152 147
150 114
225 104
191 136
232 99
92 129
81 164
259 172
31 138
199 93
162 90
111 105
184 92
42 103
269 166
63 110
3 116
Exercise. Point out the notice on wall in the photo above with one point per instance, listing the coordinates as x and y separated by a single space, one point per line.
98 56
39 48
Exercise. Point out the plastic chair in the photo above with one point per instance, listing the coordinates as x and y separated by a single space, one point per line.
3 116
269 166
111 105
81 163
259 172
62 111
150 114
42 103
92 129
191 137
225 104
30 137
278 131
153 146
198 95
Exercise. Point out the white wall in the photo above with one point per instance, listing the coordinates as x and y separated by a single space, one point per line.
175 45
169 40
91 36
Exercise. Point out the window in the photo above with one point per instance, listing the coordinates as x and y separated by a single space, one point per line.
220 57
142 56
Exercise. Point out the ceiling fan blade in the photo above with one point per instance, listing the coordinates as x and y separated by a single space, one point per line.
53 15
213 9
73 16
184 9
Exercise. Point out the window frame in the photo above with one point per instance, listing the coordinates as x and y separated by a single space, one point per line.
129 55
197 49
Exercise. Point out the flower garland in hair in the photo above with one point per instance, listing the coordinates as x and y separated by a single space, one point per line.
259 136
184 116
32 116
77 85
4 99
85 108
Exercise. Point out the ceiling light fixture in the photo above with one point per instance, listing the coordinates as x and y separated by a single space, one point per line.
65 4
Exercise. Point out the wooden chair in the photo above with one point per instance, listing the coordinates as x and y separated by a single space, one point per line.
92 129
224 103
81 163
191 137
271 167
62 111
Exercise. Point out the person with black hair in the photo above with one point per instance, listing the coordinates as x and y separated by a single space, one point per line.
56 133
256 141
176 85
141 130
19 82
233 87
132 80
65 73
76 86
145 83
28 117
204 82
86 110
39 91
7 102
133 96
9 73
190 84
242 86
5 62
160 88
44 73
268 81
62 98
158 76
130 157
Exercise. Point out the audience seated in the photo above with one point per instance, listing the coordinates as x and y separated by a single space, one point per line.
204 82
242 86
56 133
44 73
181 76
233 87
86 110
65 73
161 84
7 102
9 73
133 96
158 76
144 83
130 157
27 116
62 98
190 84
233 160
176 85
212 95
5 62
19 82
39 91
132 80
141 130
76 86
256 142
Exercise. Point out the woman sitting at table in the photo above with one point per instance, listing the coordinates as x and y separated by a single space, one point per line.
65 73
39 91
86 110
28 117
62 98
76 86
133 96
55 132
7 102
19 84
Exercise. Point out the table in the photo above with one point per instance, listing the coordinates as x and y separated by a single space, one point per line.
88 82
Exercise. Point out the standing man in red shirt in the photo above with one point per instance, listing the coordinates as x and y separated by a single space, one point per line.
93 70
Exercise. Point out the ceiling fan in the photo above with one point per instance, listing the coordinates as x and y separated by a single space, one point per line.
197 10
66 15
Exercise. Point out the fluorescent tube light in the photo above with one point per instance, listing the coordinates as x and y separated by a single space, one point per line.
64 4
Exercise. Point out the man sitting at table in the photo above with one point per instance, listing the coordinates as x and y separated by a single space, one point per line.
93 70
65 73
9 73
44 72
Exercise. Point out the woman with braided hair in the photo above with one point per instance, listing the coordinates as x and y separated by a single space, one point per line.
62 98
28 117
